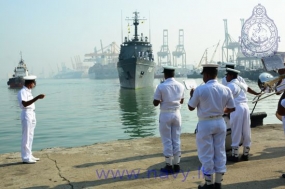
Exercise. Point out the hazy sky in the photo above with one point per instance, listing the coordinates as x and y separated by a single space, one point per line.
51 32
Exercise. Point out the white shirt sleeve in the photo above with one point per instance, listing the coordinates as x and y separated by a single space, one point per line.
194 101
157 94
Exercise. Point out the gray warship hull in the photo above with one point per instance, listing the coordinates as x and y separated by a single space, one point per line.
135 73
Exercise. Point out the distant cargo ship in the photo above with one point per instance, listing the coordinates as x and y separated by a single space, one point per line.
67 73
105 62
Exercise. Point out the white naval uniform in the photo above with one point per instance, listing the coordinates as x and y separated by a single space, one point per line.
281 87
28 120
239 78
240 118
283 117
210 100
170 93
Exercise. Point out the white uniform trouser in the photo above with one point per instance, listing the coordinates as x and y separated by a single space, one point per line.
28 120
210 141
170 130
240 125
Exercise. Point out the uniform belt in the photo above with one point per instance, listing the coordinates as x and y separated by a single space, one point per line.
210 118
28 109
169 110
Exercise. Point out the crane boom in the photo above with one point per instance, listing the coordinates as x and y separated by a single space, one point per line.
101 46
215 52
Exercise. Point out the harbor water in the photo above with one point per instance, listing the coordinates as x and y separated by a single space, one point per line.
77 112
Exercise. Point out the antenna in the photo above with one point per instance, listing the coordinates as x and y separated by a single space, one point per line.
122 26
149 27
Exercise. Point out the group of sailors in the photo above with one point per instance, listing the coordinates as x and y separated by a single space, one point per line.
213 100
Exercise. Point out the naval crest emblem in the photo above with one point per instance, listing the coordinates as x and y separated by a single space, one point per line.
259 35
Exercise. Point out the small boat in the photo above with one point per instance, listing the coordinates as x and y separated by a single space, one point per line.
17 80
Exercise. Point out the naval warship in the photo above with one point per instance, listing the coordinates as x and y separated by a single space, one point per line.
136 62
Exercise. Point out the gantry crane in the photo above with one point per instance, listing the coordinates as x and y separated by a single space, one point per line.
229 44
180 51
164 52
109 53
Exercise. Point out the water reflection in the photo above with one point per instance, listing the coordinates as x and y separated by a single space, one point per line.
138 112
12 96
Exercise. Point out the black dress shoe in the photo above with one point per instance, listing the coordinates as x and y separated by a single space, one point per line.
218 186
244 157
283 176
207 186
167 169
232 158
176 168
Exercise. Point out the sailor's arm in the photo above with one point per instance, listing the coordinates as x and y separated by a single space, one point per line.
156 102
28 103
229 110
251 91
193 101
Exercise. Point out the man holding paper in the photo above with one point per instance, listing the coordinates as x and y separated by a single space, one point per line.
212 100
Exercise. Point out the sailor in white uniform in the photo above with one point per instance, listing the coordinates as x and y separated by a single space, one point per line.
240 118
279 90
280 87
170 96
239 78
28 118
212 100
283 123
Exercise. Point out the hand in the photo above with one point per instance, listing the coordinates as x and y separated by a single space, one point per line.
41 96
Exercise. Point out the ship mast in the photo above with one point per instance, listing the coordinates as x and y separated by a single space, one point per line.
136 20
21 61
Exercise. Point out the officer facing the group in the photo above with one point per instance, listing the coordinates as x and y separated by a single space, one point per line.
212 101
28 118
239 78
240 118
170 95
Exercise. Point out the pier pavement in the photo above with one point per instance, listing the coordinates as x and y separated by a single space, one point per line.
136 163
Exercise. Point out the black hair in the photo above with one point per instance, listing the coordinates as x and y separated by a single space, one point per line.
27 82
229 66
234 74
169 73
213 72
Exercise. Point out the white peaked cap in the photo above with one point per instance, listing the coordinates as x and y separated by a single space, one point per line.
210 65
232 70
30 77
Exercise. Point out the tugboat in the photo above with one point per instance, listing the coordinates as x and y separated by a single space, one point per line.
17 81
136 62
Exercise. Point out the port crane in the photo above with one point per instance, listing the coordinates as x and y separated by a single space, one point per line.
204 58
109 52
164 52
180 51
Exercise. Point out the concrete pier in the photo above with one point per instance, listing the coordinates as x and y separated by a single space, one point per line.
136 164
